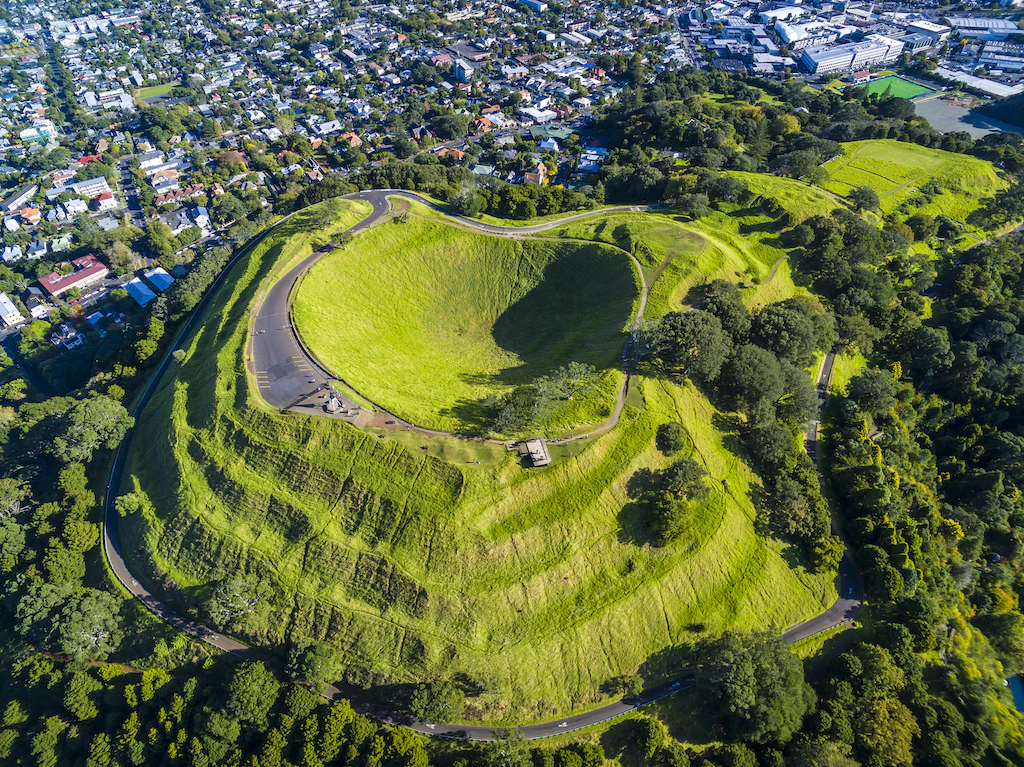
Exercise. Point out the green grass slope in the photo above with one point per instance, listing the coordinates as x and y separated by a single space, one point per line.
428 320
895 170
538 585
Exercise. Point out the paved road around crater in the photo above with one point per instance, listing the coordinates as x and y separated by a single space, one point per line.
291 377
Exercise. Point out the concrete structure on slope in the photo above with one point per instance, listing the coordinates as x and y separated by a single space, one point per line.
536 451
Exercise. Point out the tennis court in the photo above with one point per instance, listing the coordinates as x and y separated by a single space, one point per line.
897 86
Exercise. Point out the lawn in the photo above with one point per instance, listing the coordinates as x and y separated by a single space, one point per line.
897 86
429 320
536 585
152 91
896 170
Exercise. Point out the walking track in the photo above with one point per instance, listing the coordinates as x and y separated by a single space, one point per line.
290 374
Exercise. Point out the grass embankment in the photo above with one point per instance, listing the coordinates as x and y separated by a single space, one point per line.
738 243
896 170
428 320
540 585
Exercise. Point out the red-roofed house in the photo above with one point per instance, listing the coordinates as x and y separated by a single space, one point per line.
88 270
106 201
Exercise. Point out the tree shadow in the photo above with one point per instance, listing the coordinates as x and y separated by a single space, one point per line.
633 527
730 427
764 226
570 314
476 416
639 482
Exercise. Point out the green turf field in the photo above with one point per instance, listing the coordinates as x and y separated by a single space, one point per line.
896 170
538 585
897 86
152 91
429 320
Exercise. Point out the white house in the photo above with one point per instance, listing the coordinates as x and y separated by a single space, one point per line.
9 312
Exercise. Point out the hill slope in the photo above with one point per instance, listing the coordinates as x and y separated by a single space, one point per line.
536 585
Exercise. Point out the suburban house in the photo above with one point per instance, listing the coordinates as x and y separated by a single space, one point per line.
88 270
9 312
538 175
106 201
139 291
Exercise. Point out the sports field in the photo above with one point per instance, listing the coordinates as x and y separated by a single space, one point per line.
536 586
429 320
893 85
896 171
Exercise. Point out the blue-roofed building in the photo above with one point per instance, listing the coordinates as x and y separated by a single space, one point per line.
159 278
139 291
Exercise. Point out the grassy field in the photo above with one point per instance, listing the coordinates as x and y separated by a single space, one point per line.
899 87
895 170
152 91
428 320
537 585
800 199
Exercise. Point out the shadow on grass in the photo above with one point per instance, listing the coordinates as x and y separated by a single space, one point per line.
633 527
476 416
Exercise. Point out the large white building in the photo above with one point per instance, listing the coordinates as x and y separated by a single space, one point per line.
872 51
983 28
92 187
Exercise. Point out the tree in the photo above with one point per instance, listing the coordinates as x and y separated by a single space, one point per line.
440 701
89 425
89 625
725 301
874 391
671 437
669 495
13 494
692 345
759 685
227 208
751 375
78 692
252 692
569 380
650 734
119 255
235 599
787 332
12 543
625 684
467 203
887 728
160 240
863 198
314 662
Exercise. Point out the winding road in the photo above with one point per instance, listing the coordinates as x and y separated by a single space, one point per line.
288 376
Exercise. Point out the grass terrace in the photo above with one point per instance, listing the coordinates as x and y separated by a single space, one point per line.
535 587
